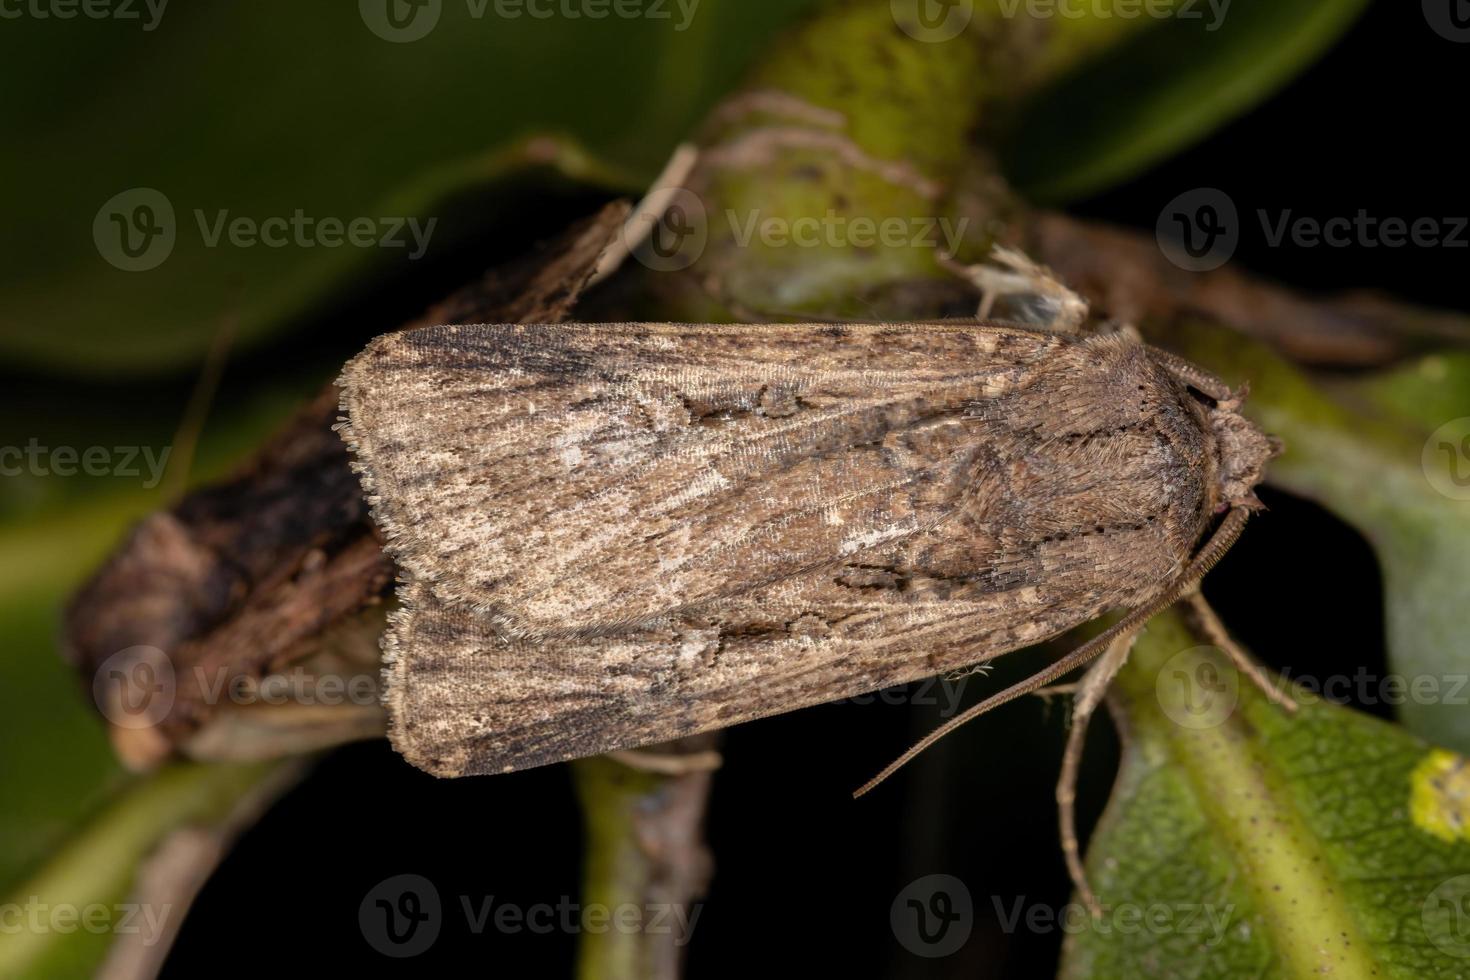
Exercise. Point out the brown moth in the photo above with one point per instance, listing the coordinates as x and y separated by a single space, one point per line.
617 534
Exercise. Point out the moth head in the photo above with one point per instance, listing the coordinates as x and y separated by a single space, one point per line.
1244 450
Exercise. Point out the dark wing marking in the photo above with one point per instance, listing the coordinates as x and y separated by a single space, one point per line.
465 699
1087 489
585 479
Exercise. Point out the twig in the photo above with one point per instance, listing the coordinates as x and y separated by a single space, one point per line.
645 851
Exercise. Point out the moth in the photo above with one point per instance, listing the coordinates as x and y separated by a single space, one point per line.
613 535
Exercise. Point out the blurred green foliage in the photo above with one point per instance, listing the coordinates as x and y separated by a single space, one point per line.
258 110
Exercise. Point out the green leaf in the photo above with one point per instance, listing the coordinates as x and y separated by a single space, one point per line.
1163 89
63 920
1245 841
75 828
1426 392
304 109
1362 454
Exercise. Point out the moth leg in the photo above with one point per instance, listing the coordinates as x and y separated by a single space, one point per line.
640 224
1209 624
1010 273
1090 691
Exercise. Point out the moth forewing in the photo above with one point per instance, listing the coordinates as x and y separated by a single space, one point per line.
618 534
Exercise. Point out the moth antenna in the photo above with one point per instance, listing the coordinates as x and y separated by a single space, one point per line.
196 410
1208 556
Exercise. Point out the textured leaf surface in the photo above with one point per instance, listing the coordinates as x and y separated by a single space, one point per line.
1361 452
1245 842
